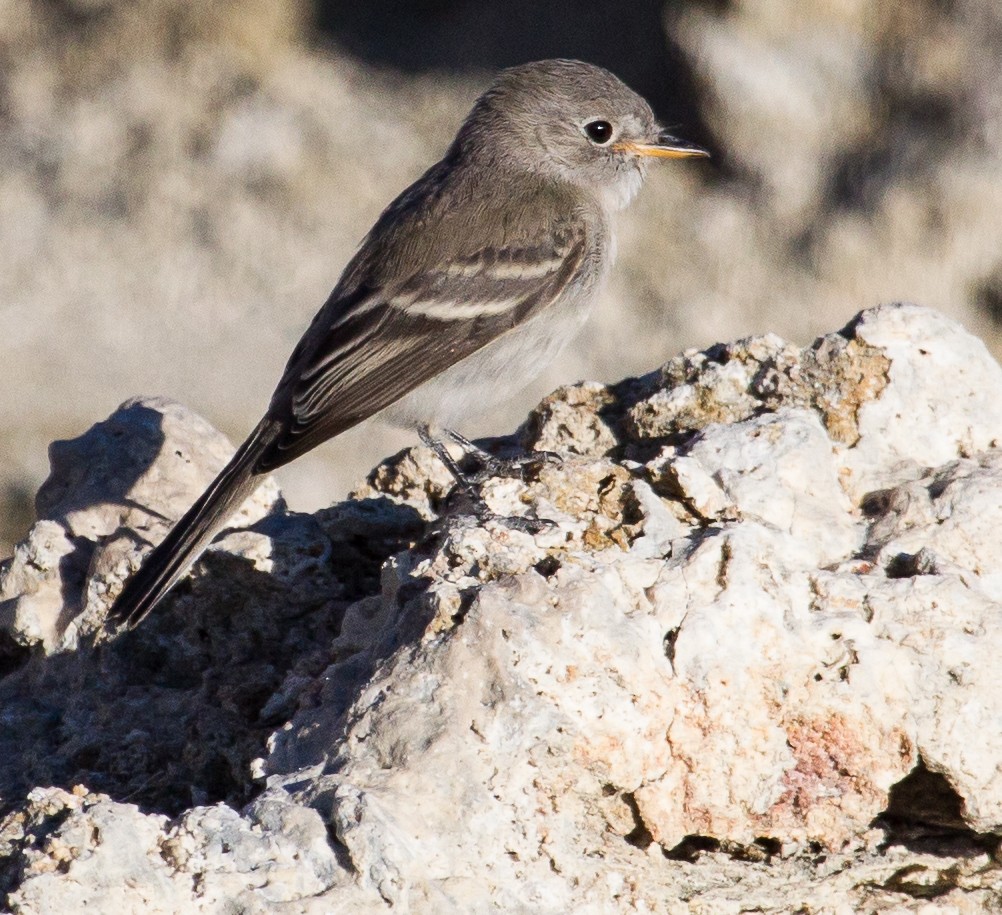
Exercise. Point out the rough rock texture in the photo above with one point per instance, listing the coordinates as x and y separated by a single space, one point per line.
149 446
748 664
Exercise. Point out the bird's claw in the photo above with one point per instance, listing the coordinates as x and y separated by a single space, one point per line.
491 467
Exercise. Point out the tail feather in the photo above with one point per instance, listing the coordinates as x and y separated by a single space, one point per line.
189 537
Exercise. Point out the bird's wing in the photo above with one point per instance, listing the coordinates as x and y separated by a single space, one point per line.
366 350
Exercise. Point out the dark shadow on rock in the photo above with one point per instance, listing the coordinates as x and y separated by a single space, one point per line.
105 462
925 796
626 395
397 617
99 467
170 714
925 814
478 35
73 575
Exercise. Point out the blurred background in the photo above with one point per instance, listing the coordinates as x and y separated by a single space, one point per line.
181 184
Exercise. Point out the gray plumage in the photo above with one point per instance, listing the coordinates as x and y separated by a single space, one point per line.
468 285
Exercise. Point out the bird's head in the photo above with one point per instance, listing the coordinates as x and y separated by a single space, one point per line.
575 122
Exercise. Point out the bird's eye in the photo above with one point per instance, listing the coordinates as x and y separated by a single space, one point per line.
598 132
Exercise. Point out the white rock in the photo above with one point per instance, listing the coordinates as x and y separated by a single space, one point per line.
119 484
940 402
751 620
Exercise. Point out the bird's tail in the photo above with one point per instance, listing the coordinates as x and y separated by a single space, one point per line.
185 542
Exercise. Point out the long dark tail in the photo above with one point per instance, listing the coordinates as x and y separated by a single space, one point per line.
192 534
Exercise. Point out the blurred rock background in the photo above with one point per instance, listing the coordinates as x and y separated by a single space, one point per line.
180 185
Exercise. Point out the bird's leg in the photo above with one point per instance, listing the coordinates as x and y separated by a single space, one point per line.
468 484
442 453
493 466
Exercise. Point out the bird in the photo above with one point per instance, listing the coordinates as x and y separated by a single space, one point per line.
468 285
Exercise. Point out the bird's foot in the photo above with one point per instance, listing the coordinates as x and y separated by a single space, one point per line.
533 526
491 467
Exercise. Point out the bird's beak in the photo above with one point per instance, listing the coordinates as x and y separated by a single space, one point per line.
667 147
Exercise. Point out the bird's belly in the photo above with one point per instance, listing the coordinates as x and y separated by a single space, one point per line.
496 371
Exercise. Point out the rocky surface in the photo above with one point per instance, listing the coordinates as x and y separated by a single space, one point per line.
747 665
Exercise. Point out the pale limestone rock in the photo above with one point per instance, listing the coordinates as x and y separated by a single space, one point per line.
762 707
750 656
104 856
779 469
32 600
913 424
275 853
950 517
110 492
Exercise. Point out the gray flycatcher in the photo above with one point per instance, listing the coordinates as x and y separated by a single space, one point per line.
467 287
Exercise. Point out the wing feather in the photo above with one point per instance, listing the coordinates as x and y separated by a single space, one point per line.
366 351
